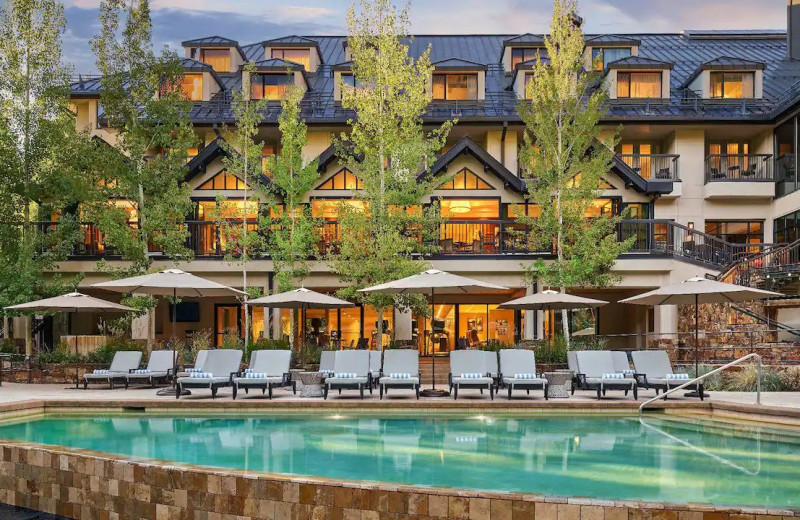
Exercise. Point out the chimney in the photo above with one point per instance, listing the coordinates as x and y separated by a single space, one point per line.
793 30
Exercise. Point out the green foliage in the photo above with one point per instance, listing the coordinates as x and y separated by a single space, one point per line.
566 163
387 146
8 346
494 345
64 353
232 342
141 98
588 343
790 379
551 353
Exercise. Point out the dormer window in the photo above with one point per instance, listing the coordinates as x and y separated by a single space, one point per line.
299 56
732 85
219 59
602 56
520 55
639 85
269 86
455 87
192 86
349 80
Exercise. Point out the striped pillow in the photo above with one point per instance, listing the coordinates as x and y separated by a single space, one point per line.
202 375
613 376
102 371
524 376
471 376
256 375
677 376
399 375
347 375
629 372
191 370
141 371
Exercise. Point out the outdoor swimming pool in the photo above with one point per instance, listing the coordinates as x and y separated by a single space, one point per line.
601 456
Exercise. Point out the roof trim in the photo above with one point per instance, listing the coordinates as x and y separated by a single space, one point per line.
612 39
226 42
467 146
526 39
458 64
206 156
283 42
640 63
732 63
192 65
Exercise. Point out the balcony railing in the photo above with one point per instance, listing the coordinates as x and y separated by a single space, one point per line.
739 168
658 167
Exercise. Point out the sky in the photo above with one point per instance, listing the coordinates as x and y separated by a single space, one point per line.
250 21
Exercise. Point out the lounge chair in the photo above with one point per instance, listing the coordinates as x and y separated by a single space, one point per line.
219 368
468 370
655 371
375 362
124 361
198 364
159 366
518 371
401 370
268 369
622 364
597 372
572 365
492 366
350 371
326 361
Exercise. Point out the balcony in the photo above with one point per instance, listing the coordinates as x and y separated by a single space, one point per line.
653 167
744 176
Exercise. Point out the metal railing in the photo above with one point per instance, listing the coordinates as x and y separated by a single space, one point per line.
739 168
752 272
709 374
659 167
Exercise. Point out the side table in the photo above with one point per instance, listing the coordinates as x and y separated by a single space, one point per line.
559 384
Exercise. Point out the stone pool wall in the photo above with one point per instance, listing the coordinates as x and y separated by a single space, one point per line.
83 484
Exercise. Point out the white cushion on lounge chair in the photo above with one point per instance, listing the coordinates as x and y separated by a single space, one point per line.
220 363
654 364
400 361
350 362
469 367
158 364
492 366
124 361
622 382
375 359
198 364
620 359
326 361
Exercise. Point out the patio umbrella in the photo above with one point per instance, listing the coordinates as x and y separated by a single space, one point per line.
170 282
433 281
72 302
550 300
695 291
300 299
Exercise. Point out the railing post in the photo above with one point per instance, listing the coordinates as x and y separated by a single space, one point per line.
758 380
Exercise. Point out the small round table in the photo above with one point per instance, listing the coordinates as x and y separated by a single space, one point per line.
312 384
559 384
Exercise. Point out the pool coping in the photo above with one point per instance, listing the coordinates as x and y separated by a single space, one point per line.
66 481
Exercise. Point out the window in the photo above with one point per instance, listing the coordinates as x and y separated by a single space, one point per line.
299 56
454 87
638 85
732 85
268 86
603 208
787 228
737 232
192 86
223 181
528 81
219 59
267 155
344 179
465 180
349 80
471 209
520 55
601 57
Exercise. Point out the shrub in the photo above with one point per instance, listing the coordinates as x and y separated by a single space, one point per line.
790 379
104 354
8 346
232 342
554 353
714 382
59 356
266 344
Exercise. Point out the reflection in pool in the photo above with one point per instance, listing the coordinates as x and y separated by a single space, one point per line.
609 457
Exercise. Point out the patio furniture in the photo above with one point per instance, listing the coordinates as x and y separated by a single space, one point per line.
326 361
351 371
220 367
654 370
468 370
518 371
312 384
198 364
159 366
400 370
492 366
597 372
124 361
622 364
268 369
572 364
375 363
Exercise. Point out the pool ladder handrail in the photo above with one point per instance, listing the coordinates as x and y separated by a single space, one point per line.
709 374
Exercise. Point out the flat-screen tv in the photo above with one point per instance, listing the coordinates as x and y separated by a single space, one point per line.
186 312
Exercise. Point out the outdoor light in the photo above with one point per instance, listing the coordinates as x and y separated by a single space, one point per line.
460 206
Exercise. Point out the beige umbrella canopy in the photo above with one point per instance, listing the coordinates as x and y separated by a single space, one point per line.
433 281
550 300
72 302
695 291
300 299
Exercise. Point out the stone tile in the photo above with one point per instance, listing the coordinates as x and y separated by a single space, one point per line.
523 510
458 507
480 509
592 513
665 514
291 492
715 515
351 514
569 512
417 504
438 506
690 515
615 513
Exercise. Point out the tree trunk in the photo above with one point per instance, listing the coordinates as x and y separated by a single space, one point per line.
28 337
6 327
379 340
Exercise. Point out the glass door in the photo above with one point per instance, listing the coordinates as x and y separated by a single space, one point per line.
227 322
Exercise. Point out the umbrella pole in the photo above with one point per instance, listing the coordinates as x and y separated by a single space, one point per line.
696 393
174 389
75 340
433 391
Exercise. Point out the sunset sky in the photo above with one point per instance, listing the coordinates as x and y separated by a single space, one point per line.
250 21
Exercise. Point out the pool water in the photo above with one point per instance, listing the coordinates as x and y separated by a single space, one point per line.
607 457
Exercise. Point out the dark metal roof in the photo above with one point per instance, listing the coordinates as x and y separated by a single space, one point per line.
522 40
277 64
345 65
612 39
210 40
206 156
640 62
191 65
781 80
458 64
291 41
729 63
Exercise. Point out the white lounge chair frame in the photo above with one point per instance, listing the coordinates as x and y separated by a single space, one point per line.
159 365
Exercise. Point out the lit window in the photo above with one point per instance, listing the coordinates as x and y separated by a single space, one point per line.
192 86
223 181
344 179
638 85
466 180
521 55
268 86
219 59
267 155
528 81
601 57
299 56
455 86
191 153
732 85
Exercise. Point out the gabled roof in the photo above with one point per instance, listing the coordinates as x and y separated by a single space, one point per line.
612 39
527 39
636 181
291 41
279 65
458 64
640 62
206 156
468 146
190 65
327 157
213 41
345 65
530 64
731 63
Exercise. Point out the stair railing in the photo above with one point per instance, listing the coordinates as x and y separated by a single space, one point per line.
741 272
709 374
